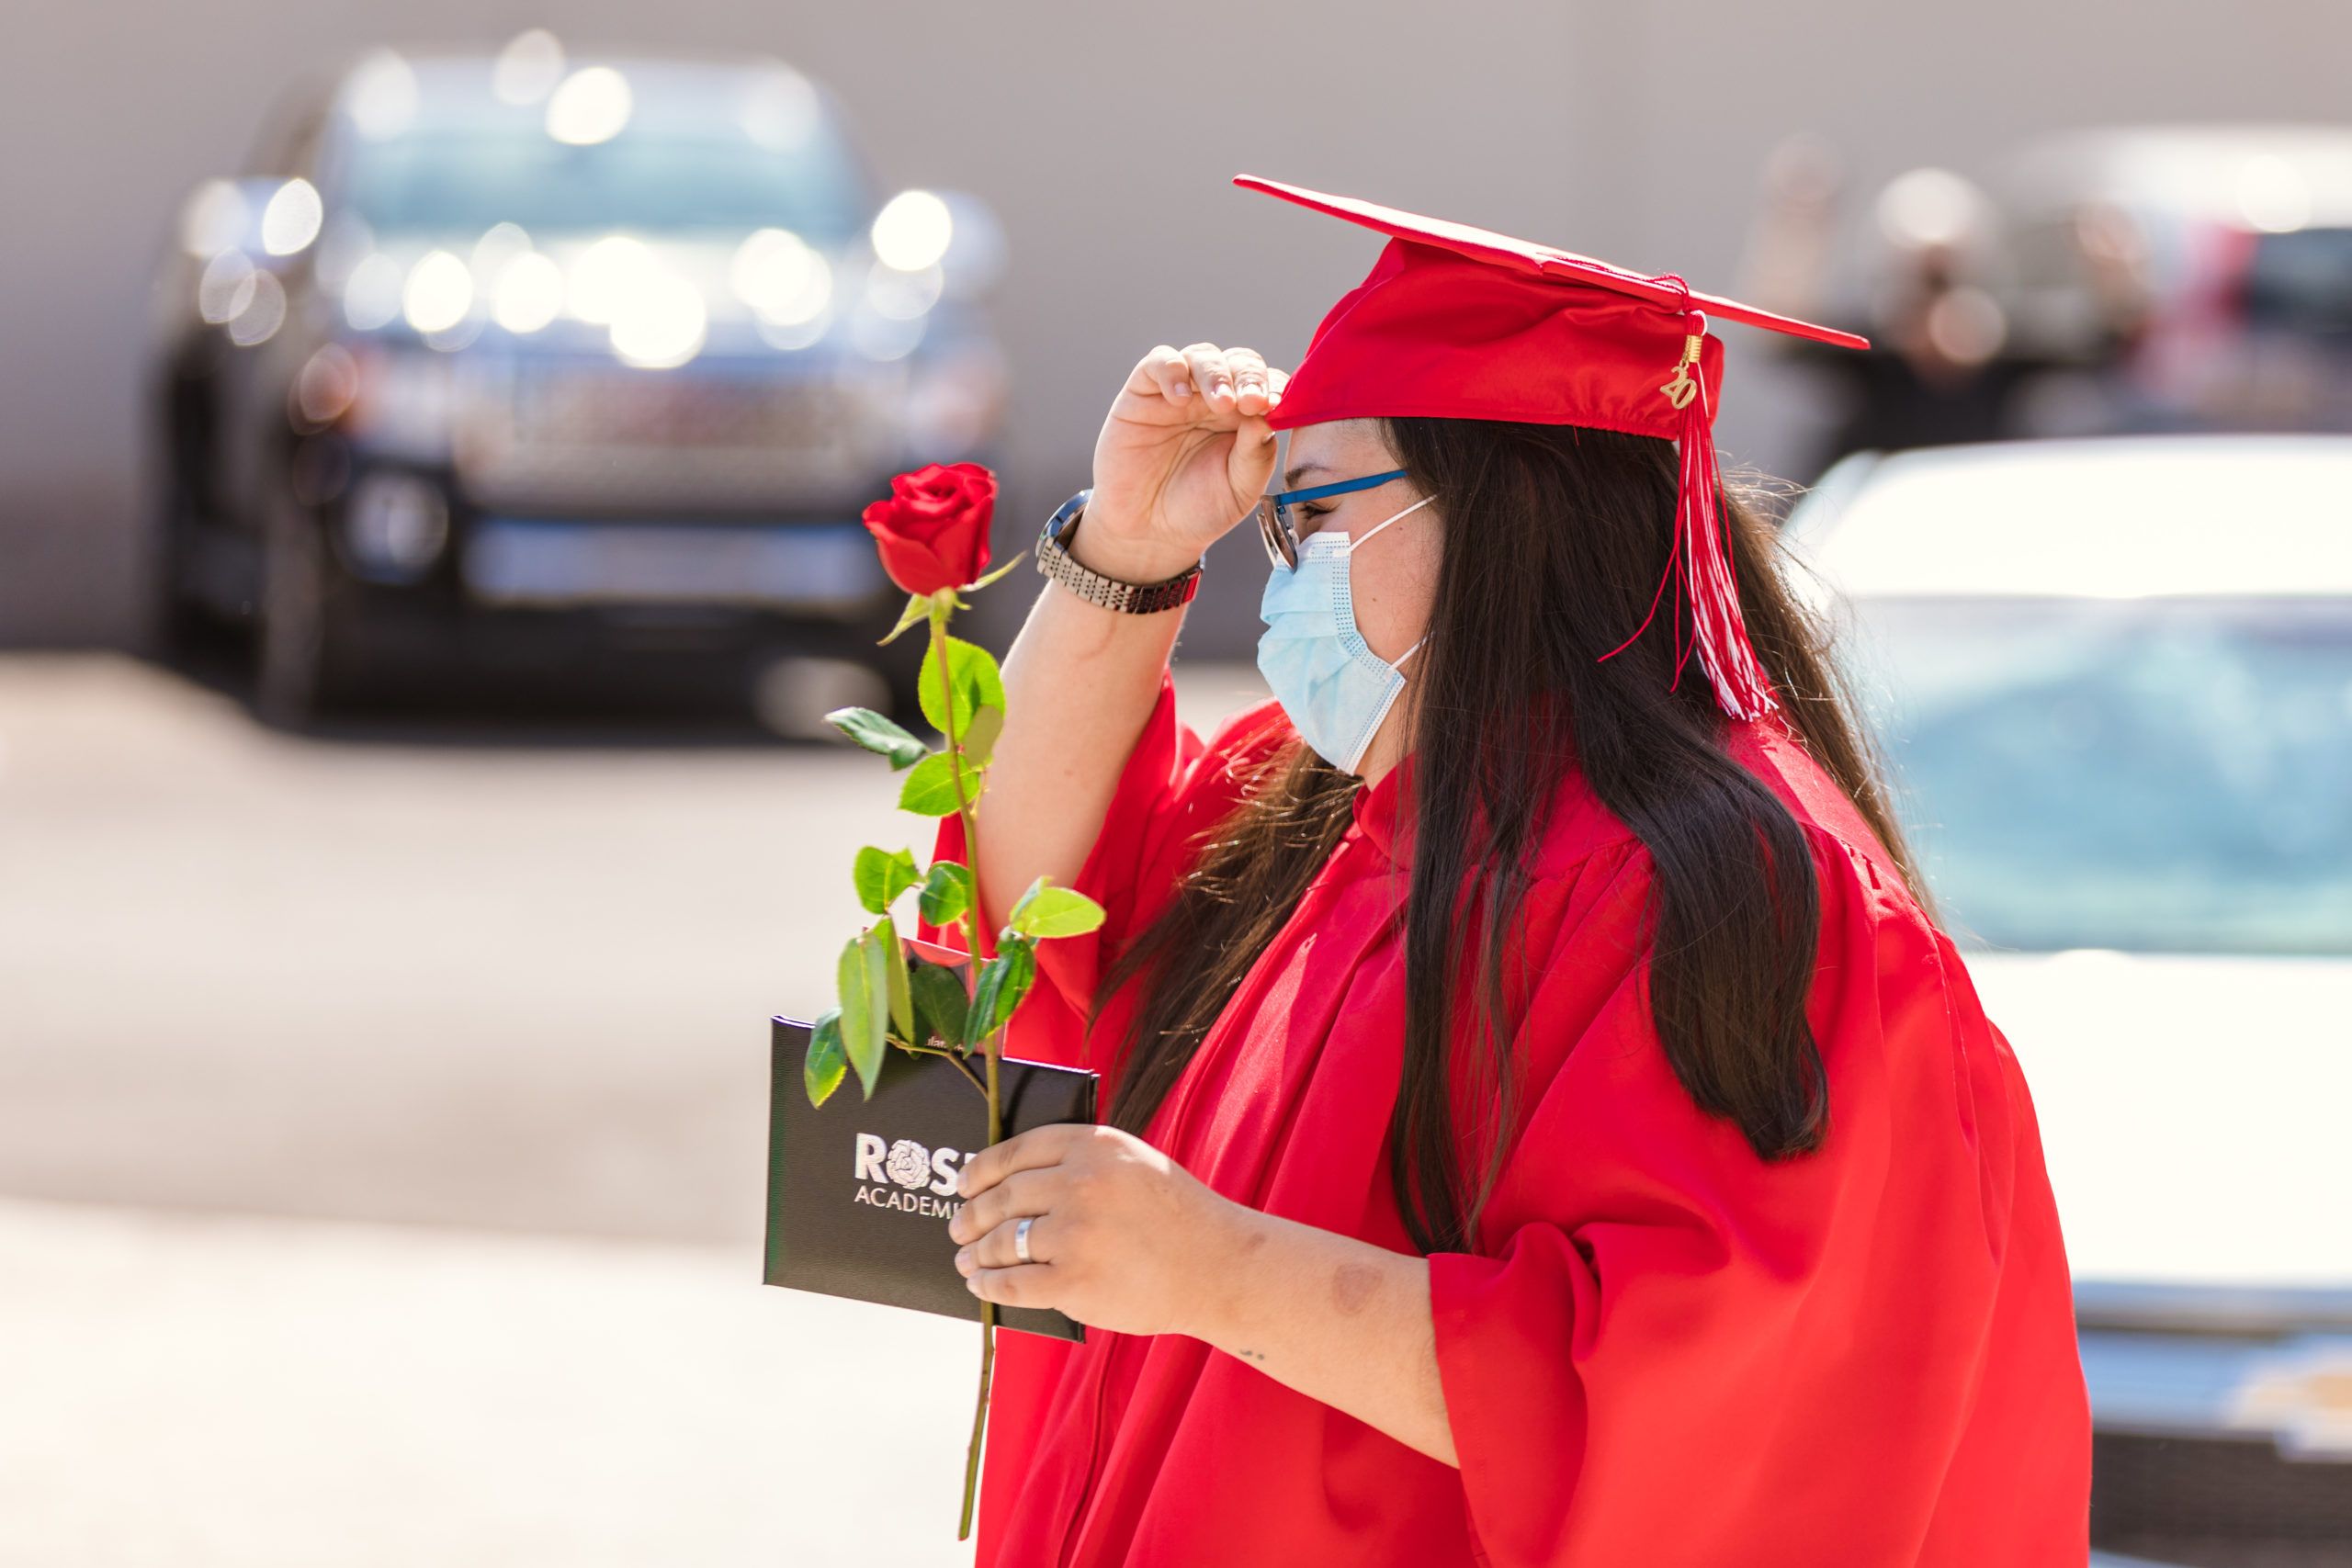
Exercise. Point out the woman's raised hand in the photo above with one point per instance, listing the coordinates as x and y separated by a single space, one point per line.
1184 454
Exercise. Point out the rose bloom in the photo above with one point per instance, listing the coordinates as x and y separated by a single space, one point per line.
932 530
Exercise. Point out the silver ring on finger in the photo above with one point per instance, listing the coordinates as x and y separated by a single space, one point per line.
1021 1238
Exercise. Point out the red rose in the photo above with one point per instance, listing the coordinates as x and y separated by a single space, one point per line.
933 529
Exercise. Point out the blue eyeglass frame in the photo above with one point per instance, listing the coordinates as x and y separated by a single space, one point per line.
1273 512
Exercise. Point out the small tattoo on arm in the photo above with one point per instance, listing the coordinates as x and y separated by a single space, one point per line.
1251 1354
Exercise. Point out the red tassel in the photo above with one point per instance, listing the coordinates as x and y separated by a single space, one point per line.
1698 566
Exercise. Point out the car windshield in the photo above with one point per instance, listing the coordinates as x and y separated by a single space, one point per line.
465 181
2301 281
2152 774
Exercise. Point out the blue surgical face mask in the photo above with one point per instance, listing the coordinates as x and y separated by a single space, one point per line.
1335 689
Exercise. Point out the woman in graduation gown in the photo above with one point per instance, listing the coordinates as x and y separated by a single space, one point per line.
1545 1125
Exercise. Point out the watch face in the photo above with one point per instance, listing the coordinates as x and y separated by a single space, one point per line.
1055 561
1067 513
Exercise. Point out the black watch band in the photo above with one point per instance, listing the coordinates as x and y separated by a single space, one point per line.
1133 598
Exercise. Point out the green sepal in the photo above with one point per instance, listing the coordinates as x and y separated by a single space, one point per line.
918 610
999 571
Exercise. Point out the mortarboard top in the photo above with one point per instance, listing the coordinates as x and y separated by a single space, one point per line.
1459 323
1547 261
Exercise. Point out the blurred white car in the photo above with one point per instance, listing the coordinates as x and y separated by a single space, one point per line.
2113 680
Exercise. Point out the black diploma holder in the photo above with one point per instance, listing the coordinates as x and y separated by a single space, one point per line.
860 1190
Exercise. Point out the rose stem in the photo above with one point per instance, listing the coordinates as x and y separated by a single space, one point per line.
975 926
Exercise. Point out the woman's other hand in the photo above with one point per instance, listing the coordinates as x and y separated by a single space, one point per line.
1125 1239
1184 454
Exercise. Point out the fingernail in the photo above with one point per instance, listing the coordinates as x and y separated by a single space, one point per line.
972 1283
964 1260
1184 391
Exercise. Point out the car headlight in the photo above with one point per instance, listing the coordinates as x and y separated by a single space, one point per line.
395 526
914 230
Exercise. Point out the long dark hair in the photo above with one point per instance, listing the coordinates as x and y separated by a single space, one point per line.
1556 538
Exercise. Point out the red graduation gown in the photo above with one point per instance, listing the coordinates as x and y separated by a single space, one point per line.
1662 1350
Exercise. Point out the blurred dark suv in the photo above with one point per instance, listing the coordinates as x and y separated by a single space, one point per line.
521 363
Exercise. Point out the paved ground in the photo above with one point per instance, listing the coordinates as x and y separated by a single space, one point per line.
188 1391
380 1126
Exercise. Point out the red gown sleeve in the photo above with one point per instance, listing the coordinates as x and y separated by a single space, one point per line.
1173 787
1664 1349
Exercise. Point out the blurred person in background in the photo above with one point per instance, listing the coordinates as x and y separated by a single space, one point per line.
1942 368
2109 282
1546 1126
2185 278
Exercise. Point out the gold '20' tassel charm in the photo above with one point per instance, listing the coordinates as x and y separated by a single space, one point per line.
1684 386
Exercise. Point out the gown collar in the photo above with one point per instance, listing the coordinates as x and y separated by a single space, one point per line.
1383 812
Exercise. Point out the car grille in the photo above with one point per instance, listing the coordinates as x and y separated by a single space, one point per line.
2213 1503
610 438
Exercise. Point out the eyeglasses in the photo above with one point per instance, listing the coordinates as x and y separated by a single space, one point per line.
1273 512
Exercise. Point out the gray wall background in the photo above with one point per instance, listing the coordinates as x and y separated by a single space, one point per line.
1104 135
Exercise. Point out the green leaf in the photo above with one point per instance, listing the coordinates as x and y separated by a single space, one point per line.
1004 981
822 1070
947 893
882 876
1047 910
930 789
972 670
876 733
977 740
864 984
941 1004
894 953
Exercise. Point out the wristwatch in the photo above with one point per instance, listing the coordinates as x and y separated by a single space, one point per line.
1133 598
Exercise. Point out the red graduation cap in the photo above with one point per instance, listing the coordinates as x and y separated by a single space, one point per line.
1458 322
